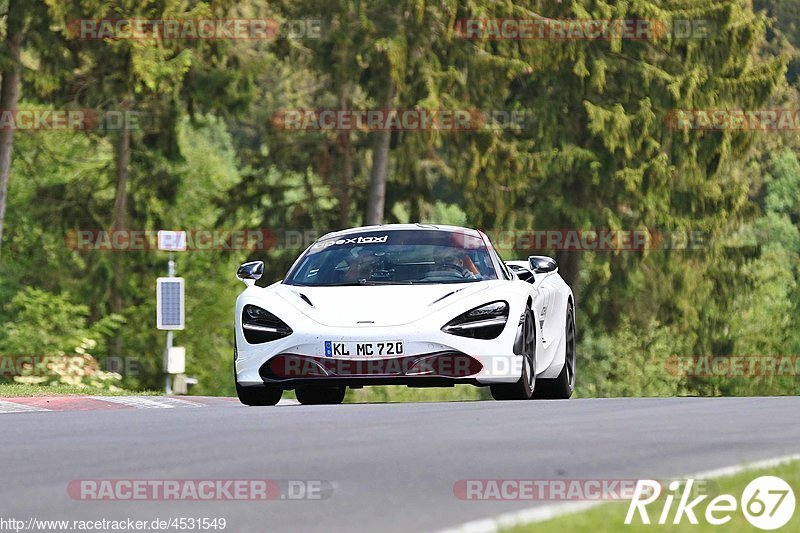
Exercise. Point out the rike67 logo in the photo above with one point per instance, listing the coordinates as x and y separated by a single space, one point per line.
768 503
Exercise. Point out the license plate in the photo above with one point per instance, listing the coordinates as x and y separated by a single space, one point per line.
363 349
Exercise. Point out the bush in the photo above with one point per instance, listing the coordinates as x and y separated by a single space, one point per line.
53 333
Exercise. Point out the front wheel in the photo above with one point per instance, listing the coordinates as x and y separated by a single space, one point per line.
255 396
258 396
563 386
522 389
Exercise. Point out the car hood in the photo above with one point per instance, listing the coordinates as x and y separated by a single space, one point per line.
374 306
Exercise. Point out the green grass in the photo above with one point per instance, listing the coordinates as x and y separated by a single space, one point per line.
385 394
401 393
610 517
19 390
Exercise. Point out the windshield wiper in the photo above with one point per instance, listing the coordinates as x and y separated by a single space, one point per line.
357 283
446 282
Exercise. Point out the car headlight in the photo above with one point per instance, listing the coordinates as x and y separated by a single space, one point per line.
259 325
484 322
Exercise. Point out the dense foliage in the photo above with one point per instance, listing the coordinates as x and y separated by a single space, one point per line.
595 150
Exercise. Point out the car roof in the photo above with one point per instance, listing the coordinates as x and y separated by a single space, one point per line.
398 227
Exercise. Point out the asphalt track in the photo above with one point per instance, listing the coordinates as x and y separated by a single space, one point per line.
391 467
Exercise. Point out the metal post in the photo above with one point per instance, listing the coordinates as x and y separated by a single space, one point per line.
168 384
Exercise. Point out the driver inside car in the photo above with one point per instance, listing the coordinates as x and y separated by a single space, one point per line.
458 259
361 267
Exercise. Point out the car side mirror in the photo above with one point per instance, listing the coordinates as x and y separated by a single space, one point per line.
250 272
541 264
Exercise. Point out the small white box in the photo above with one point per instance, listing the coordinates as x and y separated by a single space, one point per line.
176 360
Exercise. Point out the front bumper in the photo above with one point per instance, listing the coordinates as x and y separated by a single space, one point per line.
479 362
285 364
434 369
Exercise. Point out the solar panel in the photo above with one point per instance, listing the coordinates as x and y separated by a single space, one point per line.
170 303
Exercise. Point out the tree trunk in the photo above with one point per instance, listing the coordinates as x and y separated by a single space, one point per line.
346 150
119 219
9 97
569 265
380 164
120 215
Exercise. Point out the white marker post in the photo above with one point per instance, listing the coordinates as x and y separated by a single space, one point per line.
170 309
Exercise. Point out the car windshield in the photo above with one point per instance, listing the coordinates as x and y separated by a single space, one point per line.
394 257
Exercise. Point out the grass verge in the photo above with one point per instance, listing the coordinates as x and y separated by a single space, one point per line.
20 390
610 517
401 393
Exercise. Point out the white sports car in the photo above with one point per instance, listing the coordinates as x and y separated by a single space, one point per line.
406 304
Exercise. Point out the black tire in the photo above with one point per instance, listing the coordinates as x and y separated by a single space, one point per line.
522 389
255 396
562 387
320 395
258 396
